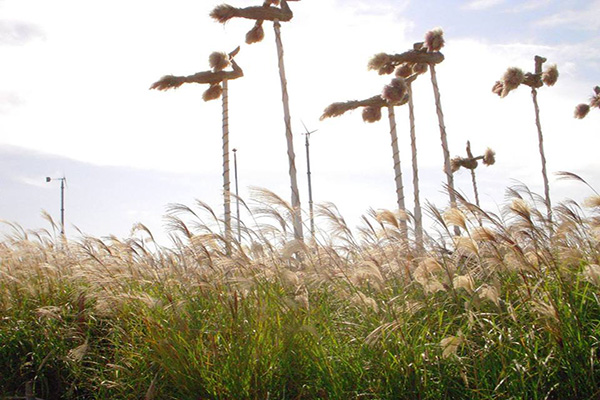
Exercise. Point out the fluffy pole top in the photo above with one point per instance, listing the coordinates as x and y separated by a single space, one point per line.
434 40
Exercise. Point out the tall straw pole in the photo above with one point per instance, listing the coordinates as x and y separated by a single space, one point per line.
415 167
444 139
297 216
226 182
542 154
473 178
398 172
237 196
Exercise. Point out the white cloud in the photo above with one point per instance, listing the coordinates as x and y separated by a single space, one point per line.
584 19
482 4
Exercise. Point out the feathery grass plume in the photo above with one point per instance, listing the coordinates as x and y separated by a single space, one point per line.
591 273
223 13
168 82
592 202
371 114
404 70
498 88
218 61
256 34
434 39
78 352
581 111
379 61
550 75
395 91
464 282
490 293
511 80
489 157
334 110
420 68
483 234
455 217
451 344
212 93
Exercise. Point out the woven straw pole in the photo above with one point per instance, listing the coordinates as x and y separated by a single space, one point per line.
542 154
415 168
226 182
473 179
444 139
398 171
297 217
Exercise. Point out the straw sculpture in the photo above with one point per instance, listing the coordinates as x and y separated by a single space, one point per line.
424 55
217 78
512 79
471 162
583 109
270 12
396 93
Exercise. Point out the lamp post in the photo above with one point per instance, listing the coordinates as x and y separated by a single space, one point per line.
237 194
310 199
62 201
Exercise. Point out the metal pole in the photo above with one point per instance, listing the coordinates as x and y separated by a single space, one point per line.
310 198
237 194
62 206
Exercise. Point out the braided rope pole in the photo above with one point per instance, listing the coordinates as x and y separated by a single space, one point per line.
397 171
444 139
415 167
542 154
226 181
514 77
217 79
473 178
297 216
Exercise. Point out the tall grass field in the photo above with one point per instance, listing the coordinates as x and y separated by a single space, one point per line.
509 309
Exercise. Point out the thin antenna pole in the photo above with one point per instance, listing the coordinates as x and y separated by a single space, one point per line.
62 206
310 198
237 195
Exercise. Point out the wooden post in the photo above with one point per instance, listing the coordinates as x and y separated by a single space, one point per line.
415 167
398 172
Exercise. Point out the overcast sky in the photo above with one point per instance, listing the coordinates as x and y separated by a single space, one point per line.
75 102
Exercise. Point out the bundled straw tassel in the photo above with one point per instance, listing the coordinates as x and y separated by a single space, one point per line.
595 100
581 111
168 82
218 61
404 71
379 61
371 114
489 157
511 80
550 75
223 13
396 91
334 110
434 40
498 88
420 68
256 34
212 93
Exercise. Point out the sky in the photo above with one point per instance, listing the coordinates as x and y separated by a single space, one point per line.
75 102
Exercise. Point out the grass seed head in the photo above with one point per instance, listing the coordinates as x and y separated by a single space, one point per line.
371 114
464 282
591 273
455 217
550 75
434 39
218 61
581 111
592 202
